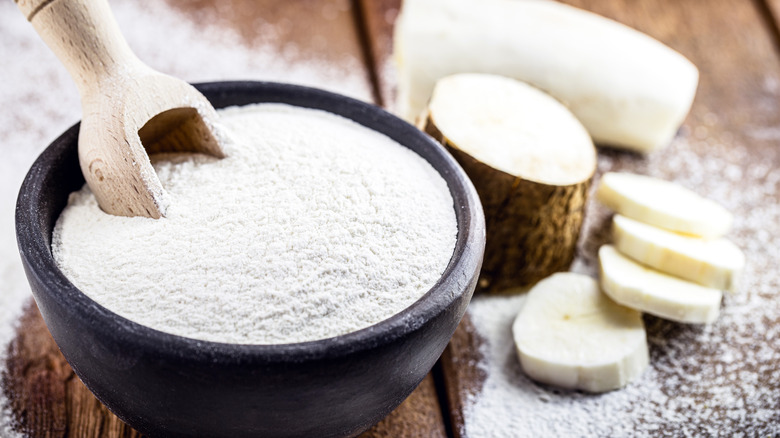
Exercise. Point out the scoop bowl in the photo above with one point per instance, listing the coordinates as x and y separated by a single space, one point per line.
165 385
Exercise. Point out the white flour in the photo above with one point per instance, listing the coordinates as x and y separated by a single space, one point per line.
314 226
41 102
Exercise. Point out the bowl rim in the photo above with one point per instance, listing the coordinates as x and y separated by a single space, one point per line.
461 269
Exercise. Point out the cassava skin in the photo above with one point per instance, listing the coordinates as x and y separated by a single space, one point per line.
532 228
531 162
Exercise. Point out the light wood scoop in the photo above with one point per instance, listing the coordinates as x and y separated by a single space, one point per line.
126 106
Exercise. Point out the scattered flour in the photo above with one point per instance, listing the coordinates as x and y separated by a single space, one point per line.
512 405
716 380
41 101
27 125
312 227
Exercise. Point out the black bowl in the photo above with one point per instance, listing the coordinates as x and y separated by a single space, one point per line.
168 386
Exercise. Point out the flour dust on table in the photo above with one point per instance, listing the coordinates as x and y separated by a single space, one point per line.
703 380
313 226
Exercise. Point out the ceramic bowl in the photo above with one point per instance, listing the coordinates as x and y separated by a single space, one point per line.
170 386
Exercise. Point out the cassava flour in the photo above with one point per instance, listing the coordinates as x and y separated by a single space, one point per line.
312 227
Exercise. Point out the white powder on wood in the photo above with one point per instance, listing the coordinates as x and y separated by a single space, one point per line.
314 226
714 380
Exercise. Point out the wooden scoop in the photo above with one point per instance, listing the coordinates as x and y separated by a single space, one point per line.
126 106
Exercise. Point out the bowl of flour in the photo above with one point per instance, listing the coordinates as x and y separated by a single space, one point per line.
302 286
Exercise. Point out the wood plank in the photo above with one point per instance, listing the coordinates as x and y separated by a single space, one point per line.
303 29
732 131
378 17
772 9
46 398
463 379
419 415
316 35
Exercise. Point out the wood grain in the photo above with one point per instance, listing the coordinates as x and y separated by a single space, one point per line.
736 113
771 9
463 379
420 415
47 398
378 17
324 30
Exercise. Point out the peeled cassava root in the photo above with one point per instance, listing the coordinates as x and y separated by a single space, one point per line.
531 162
626 88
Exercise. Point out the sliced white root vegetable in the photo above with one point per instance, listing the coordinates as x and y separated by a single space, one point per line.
650 291
570 334
531 162
513 127
626 88
663 204
714 263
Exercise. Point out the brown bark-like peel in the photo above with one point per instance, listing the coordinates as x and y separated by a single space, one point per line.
532 228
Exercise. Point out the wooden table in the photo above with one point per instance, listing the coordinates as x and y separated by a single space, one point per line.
735 44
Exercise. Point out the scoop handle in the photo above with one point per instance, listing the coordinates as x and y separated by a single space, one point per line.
84 35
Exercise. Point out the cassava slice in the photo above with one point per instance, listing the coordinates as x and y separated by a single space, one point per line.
714 263
571 335
645 289
626 88
531 162
662 204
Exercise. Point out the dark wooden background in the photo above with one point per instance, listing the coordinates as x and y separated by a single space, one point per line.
735 44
